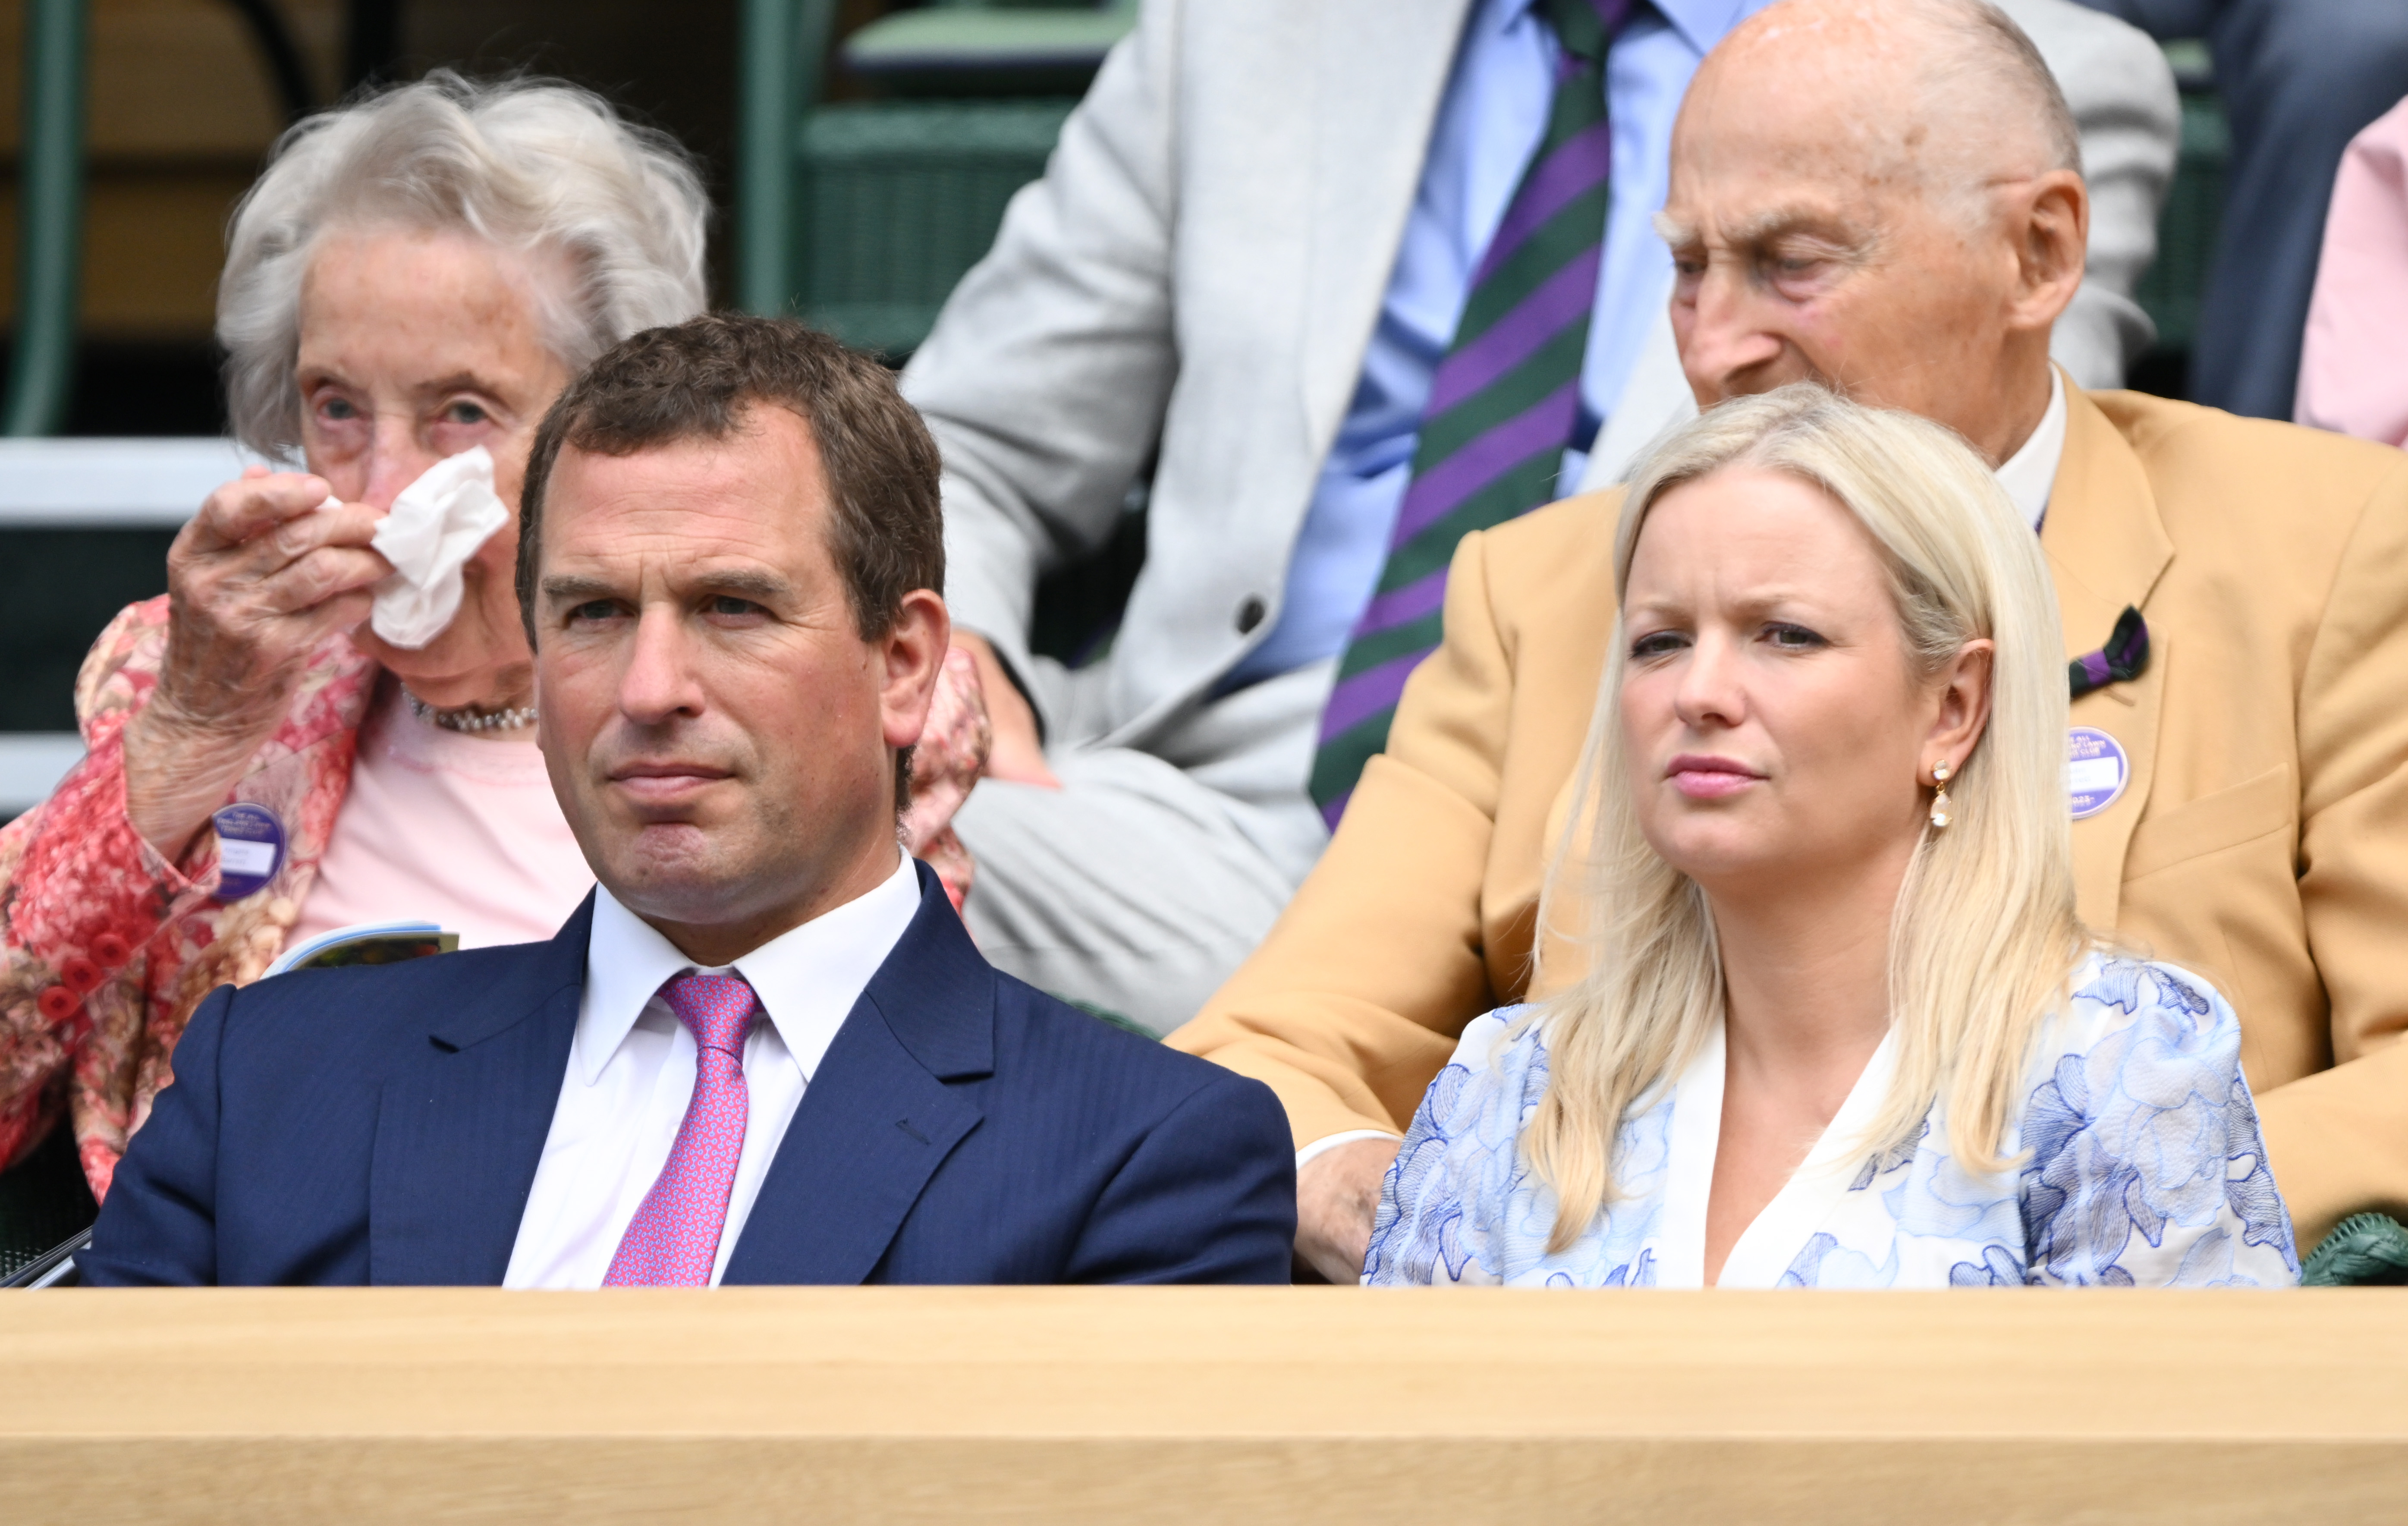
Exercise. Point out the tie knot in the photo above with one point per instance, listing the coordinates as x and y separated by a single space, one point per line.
1584 27
717 1010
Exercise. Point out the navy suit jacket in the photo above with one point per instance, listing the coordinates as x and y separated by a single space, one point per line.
383 1125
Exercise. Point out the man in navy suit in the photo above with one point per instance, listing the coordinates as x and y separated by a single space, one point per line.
765 1050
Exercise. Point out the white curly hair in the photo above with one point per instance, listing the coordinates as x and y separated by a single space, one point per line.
534 166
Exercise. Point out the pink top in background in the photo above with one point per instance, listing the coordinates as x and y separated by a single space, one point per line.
459 830
2354 357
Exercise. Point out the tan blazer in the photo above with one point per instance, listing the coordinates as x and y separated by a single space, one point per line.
2262 840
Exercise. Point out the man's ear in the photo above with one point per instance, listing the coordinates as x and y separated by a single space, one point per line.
2050 223
913 652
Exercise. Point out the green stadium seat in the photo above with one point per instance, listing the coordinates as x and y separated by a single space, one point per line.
899 199
967 49
43 1201
2193 209
889 200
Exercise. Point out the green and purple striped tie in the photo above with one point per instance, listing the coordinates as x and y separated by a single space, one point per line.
1503 404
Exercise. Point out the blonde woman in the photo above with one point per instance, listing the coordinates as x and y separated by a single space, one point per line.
1834 1022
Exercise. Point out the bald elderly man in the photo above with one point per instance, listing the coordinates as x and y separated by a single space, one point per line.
1249 260
1885 194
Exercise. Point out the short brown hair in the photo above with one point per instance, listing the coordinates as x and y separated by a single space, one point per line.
696 379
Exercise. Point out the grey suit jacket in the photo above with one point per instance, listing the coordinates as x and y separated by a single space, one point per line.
1194 283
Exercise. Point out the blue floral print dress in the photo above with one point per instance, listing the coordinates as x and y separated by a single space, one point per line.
2141 1165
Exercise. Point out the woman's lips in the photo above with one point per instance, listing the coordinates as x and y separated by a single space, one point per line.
1710 778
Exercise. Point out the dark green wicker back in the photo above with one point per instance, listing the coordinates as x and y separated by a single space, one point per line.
2186 228
43 1201
2364 1251
898 199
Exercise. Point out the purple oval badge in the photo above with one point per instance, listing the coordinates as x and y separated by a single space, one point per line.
250 849
2096 770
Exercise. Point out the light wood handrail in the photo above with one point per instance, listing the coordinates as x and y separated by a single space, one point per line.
1202 1404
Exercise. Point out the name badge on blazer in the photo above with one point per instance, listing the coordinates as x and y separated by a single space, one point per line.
250 849
2096 770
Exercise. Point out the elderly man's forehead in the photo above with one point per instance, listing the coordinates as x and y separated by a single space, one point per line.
1821 43
1743 171
1876 89
1786 101
1860 27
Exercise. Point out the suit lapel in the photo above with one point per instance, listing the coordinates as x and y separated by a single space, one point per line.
2107 549
1383 66
878 1117
459 1136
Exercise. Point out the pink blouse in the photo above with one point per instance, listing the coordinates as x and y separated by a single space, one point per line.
2354 357
459 830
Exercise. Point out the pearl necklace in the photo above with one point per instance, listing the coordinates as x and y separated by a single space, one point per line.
467 718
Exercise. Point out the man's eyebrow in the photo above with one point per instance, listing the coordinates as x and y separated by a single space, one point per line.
748 583
1774 222
1764 226
761 586
561 585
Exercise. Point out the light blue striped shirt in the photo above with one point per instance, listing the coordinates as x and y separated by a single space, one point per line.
1489 124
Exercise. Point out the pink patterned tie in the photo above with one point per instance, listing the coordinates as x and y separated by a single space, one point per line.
674 1237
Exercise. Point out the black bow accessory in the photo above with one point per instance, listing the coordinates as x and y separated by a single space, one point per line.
2125 656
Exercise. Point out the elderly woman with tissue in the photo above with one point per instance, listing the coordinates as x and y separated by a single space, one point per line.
327 719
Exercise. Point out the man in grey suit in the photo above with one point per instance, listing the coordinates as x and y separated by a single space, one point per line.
1353 277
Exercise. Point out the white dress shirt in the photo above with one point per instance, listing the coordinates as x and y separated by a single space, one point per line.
2028 476
631 1072
2030 473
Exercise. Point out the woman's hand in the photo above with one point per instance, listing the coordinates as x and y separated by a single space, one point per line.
1015 754
945 766
950 754
257 582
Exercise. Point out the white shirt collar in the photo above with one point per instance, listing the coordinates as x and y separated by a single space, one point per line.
2032 473
808 978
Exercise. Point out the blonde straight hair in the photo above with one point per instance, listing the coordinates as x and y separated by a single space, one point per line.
1983 936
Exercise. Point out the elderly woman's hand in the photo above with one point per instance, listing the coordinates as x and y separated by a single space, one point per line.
950 754
257 582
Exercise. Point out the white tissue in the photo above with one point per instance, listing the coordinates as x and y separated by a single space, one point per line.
436 525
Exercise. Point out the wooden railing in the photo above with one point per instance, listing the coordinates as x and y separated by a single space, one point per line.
1174 1405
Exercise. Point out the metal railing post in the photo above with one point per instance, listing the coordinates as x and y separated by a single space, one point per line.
785 45
50 217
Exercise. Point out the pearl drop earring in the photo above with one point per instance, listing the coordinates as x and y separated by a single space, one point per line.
1941 774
